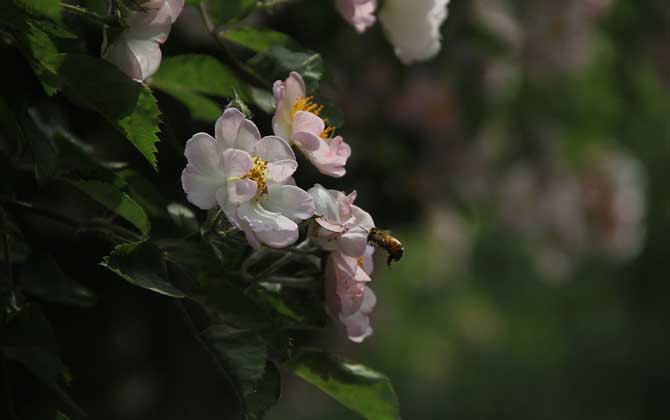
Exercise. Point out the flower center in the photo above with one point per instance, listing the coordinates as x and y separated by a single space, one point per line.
307 104
257 174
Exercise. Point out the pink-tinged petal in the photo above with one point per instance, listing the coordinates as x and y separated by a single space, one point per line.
270 228
308 122
353 243
203 174
285 95
359 13
273 149
241 191
247 137
176 6
236 163
361 219
307 142
289 201
358 325
330 158
280 171
329 226
325 203
148 55
119 53
294 88
368 262
226 128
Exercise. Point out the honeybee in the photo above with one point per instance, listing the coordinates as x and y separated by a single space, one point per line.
383 239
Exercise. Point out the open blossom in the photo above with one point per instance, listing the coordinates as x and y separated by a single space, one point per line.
359 13
249 177
136 49
297 120
340 224
348 297
413 27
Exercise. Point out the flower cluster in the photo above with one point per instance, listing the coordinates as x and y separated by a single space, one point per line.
249 178
135 50
413 27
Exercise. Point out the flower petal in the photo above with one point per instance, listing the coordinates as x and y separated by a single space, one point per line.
307 142
308 122
289 201
270 228
273 149
280 171
234 131
241 191
236 163
353 243
203 174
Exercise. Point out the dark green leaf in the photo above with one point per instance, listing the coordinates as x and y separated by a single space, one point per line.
47 8
142 191
41 277
258 40
225 12
142 264
45 152
263 99
129 106
355 386
277 62
243 356
190 78
118 202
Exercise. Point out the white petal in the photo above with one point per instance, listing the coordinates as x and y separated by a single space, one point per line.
236 163
325 203
227 126
148 55
272 229
362 219
119 53
241 191
290 201
273 149
353 243
307 142
307 122
203 174
280 171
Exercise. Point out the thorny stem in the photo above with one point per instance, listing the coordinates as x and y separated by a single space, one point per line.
108 20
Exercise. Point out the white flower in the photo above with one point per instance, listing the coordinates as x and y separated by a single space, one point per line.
136 49
359 13
249 178
413 27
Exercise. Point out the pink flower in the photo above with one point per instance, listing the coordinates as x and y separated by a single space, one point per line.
348 298
297 120
249 177
359 13
340 225
136 49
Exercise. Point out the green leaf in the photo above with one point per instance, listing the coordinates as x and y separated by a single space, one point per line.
225 12
263 99
243 356
142 264
47 8
277 62
190 78
142 191
41 277
45 152
355 386
117 201
257 40
127 105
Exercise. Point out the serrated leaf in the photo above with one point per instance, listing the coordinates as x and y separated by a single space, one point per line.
256 39
190 78
225 12
41 277
117 201
353 385
127 105
141 263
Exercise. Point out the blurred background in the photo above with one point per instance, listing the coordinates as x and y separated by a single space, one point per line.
525 171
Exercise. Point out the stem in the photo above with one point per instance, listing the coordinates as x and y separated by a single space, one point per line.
108 20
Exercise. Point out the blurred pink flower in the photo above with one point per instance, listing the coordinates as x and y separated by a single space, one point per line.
340 225
136 49
347 296
359 13
297 121
249 178
413 27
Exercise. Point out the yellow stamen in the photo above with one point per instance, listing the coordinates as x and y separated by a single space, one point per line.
307 104
257 174
360 262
